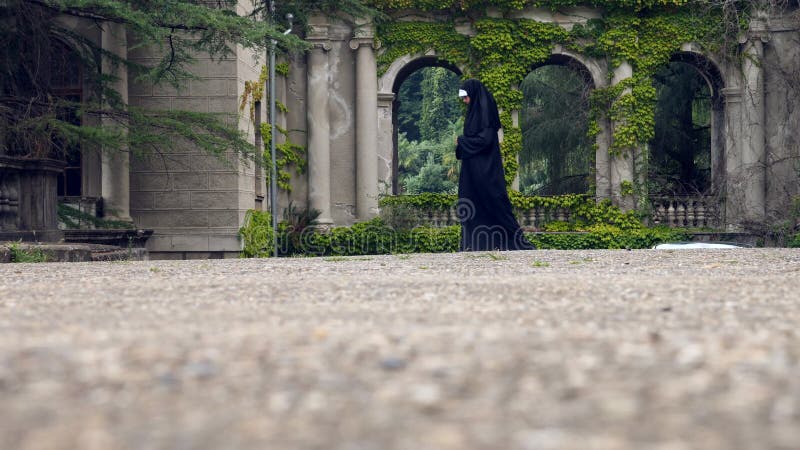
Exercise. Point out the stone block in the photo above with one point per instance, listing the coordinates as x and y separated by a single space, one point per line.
214 200
159 243
172 200
173 219
140 89
190 181
228 218
141 200
233 87
206 162
214 87
149 182
221 69
177 163
200 255
156 103
5 254
190 243
223 105
167 90
217 243
171 256
194 104
223 180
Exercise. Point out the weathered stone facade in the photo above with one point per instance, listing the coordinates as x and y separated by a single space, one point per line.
343 113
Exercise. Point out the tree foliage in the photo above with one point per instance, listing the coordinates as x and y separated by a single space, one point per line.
680 152
430 117
556 150
39 41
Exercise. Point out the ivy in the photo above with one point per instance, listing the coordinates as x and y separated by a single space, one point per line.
287 154
643 33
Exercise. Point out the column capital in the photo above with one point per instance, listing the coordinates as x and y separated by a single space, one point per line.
731 95
359 41
386 97
323 44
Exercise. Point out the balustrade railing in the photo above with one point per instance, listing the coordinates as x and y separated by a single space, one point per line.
690 212
535 217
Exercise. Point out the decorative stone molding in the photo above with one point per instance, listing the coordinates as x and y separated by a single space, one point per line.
324 45
358 42
731 95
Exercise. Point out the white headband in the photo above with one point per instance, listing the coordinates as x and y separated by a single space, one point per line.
462 93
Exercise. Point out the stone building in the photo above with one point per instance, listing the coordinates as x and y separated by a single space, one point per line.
344 113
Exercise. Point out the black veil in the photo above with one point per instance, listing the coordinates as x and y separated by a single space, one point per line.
482 110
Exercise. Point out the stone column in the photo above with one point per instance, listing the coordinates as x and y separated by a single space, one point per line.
734 179
386 157
366 127
318 116
622 168
602 162
115 182
753 154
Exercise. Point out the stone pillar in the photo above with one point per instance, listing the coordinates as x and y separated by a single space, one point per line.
622 167
318 117
753 154
602 162
734 179
386 148
366 127
115 182
514 122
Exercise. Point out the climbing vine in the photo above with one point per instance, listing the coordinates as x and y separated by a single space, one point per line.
288 154
501 50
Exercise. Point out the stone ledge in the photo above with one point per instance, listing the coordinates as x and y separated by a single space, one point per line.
61 252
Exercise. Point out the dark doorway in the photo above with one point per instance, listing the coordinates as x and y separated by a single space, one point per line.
556 154
680 153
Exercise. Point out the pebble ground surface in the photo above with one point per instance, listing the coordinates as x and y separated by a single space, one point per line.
643 349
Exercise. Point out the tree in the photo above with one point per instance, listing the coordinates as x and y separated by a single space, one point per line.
430 117
554 121
680 153
36 120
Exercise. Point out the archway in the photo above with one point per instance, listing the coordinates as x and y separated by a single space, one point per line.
66 81
425 115
557 153
687 150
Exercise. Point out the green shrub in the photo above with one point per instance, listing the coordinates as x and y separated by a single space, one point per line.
257 235
376 237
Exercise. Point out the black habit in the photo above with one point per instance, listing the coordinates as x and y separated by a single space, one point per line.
484 210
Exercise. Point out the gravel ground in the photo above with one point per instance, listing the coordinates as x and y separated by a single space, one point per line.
668 350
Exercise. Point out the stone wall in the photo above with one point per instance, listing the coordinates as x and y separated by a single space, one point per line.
195 202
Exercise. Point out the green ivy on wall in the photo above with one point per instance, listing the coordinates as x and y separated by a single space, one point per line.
503 50
288 154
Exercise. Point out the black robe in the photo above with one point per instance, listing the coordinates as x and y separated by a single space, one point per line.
484 210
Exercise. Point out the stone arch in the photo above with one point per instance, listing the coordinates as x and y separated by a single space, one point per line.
713 76
67 82
388 88
594 76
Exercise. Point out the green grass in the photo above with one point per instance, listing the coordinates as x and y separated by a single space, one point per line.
30 255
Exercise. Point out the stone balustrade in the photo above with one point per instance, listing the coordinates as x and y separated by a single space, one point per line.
690 212
536 217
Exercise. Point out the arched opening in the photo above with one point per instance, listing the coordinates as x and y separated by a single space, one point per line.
426 117
686 152
66 81
557 154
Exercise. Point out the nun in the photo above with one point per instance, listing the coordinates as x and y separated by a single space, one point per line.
484 210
